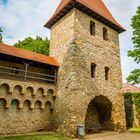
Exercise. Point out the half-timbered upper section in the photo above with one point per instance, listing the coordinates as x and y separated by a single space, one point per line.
20 64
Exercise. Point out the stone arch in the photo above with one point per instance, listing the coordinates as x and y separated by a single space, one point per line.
40 91
48 107
99 115
27 104
29 90
50 92
3 103
38 104
48 104
17 89
15 103
4 89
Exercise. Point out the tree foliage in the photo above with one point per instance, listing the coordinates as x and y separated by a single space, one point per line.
1 35
134 76
36 45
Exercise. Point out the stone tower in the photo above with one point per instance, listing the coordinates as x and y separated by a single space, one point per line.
84 39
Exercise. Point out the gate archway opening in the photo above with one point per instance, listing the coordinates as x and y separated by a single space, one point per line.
98 116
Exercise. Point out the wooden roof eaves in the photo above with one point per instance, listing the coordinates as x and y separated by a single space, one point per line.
75 4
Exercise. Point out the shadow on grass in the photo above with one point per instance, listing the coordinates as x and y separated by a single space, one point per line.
36 137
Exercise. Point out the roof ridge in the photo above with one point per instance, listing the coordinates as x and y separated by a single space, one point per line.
129 84
27 54
96 6
25 50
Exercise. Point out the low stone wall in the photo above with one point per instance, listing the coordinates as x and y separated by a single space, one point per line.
25 107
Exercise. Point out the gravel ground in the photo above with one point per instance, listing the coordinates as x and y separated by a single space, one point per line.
113 136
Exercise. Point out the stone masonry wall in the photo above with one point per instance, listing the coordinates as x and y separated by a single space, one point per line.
25 106
61 34
103 54
76 89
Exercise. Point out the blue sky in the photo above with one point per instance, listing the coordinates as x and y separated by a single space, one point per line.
22 18
4 2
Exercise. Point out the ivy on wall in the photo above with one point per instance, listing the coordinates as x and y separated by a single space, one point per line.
136 99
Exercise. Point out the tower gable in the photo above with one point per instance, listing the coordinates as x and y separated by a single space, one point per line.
93 8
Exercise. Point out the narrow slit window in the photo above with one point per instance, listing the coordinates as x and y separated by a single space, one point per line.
105 34
107 73
93 70
92 28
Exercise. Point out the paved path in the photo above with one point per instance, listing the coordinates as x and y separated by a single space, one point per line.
113 136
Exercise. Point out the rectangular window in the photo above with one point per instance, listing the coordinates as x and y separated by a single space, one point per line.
92 28
93 69
106 73
105 34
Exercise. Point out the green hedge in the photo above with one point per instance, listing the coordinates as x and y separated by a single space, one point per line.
136 99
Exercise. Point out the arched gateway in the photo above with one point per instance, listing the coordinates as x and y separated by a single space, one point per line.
98 115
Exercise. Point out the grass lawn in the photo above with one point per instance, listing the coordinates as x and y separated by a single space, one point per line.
36 137
134 130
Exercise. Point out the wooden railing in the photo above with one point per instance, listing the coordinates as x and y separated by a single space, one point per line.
26 75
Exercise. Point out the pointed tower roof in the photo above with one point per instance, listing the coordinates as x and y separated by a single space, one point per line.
94 8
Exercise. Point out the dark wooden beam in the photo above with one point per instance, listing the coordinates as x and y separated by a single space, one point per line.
86 10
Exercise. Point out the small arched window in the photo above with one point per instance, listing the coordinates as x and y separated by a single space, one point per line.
15 103
2 103
17 89
38 104
105 34
50 92
4 89
40 91
27 103
29 90
92 28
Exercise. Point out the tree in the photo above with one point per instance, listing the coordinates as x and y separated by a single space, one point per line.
36 45
1 35
134 76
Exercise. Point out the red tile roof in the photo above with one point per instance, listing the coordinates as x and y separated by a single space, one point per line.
29 55
130 88
96 6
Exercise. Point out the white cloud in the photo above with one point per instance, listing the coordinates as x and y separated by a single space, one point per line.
26 18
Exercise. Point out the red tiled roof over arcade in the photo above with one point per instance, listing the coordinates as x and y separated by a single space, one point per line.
29 55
